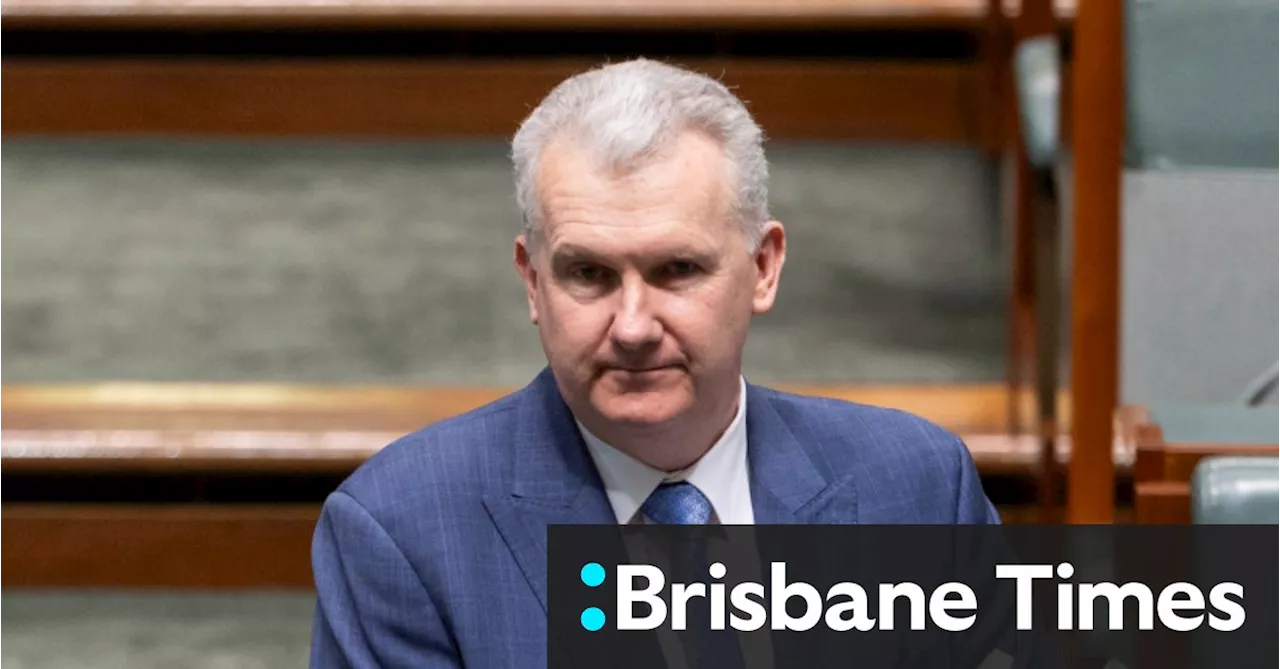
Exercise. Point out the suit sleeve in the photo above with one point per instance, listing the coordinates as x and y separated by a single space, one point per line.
372 609
972 505
995 640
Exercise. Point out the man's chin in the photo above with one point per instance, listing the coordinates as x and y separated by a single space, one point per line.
641 381
641 410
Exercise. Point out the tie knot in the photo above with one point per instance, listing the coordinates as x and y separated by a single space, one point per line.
679 503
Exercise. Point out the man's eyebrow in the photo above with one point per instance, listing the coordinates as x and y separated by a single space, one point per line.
687 252
570 252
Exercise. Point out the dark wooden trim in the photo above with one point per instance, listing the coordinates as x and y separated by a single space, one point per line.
1033 309
994 52
1180 460
1177 462
181 546
261 464
1034 18
185 546
1097 121
1162 503
1149 455
926 101
506 14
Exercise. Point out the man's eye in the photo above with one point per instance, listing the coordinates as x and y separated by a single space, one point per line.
587 273
681 268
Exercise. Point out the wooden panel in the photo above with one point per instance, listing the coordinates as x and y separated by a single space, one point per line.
1097 131
186 546
497 13
400 98
181 546
1149 461
1162 503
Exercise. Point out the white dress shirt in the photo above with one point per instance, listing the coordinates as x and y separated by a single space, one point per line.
721 474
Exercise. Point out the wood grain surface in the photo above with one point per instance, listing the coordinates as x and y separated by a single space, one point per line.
461 98
264 428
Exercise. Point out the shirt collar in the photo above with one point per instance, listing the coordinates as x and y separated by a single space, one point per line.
721 473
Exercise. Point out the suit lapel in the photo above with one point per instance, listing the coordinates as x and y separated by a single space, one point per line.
553 482
789 483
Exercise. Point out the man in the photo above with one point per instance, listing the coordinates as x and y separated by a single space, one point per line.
647 248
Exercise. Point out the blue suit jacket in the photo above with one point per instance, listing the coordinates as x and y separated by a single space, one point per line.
433 553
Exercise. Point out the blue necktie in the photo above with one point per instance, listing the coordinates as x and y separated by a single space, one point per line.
678 504
683 504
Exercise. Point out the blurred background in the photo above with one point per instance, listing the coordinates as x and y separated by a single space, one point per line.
246 244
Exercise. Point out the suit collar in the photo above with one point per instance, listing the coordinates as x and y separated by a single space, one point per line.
552 467
554 482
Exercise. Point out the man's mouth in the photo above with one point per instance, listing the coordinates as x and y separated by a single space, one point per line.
642 370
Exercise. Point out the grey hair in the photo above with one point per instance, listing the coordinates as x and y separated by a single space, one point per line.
626 113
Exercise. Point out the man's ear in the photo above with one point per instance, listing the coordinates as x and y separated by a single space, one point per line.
770 255
523 260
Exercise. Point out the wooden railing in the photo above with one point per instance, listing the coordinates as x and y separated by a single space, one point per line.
85 468
140 427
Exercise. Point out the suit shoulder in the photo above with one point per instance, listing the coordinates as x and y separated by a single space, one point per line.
903 468
461 455
848 433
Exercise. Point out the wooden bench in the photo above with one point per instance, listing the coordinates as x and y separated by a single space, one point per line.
91 471
149 427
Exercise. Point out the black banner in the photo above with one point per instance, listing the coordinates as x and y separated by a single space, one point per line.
965 597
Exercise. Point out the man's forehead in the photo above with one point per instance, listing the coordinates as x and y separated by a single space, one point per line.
595 247
690 153
673 202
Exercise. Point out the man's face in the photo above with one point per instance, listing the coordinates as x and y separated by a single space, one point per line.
642 284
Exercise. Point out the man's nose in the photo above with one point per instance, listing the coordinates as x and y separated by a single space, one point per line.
634 324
